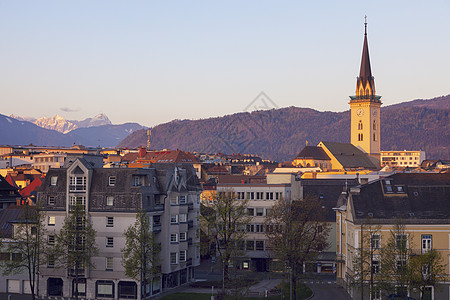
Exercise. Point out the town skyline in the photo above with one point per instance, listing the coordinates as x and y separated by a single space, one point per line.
203 60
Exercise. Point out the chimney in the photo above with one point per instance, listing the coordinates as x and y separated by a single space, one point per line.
142 152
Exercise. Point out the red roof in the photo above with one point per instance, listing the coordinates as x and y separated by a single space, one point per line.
11 181
33 186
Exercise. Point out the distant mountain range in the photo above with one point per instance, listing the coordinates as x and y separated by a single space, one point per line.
57 131
62 125
280 134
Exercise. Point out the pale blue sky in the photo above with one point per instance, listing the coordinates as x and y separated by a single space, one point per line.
154 61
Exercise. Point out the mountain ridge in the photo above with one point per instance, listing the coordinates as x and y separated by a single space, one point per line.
280 134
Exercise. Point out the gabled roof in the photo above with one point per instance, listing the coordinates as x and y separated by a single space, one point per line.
32 187
349 156
13 214
415 198
312 152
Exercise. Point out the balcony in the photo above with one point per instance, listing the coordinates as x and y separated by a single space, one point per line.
157 207
364 98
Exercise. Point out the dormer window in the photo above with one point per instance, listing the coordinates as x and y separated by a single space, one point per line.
77 183
111 180
53 180
137 180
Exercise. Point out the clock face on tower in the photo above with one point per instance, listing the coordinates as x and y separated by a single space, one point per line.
360 112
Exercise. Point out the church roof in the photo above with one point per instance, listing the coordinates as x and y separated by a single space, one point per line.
349 156
312 152
365 73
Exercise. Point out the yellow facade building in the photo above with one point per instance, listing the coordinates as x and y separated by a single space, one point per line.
367 217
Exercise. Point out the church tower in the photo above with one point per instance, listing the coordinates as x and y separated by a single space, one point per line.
365 108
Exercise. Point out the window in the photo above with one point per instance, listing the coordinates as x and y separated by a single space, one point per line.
374 137
426 242
259 228
173 238
360 125
250 195
401 241
182 218
259 211
278 195
50 261
51 240
250 245
173 219
53 180
137 181
269 195
259 195
375 264
109 221
251 211
109 200
112 180
182 199
360 137
250 228
173 258
174 201
51 221
77 200
259 245
400 263
104 289
374 125
375 241
109 242
77 183
268 210
109 264
51 200
183 255
183 236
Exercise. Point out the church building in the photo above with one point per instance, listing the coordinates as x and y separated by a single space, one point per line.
365 109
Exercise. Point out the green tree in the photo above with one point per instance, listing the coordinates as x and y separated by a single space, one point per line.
75 244
297 233
141 252
224 219
425 270
27 246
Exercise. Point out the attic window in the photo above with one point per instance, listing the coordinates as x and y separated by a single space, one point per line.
411 214
370 214
416 194
400 189
53 180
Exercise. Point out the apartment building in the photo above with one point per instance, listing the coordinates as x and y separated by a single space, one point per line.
45 161
418 201
403 158
168 193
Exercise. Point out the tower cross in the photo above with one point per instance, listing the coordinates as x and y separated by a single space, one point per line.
365 25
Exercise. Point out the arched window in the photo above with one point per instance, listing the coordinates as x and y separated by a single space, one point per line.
360 137
374 137
367 92
361 92
360 125
374 125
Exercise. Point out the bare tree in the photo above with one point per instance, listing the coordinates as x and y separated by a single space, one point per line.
297 233
367 259
27 246
224 220
141 252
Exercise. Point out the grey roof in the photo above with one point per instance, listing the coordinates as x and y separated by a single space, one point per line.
328 191
349 156
312 152
416 198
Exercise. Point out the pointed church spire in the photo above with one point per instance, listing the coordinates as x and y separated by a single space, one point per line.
365 73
